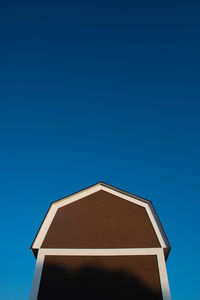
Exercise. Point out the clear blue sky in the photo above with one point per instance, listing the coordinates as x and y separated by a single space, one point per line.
99 91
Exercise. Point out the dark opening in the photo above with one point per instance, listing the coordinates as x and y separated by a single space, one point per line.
90 282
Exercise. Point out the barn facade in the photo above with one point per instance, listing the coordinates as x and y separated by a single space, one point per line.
101 243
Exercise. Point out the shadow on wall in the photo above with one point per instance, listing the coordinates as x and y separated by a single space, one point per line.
92 283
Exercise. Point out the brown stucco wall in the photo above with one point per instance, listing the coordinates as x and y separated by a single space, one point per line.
100 277
101 220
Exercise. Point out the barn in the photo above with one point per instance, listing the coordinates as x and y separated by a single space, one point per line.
101 243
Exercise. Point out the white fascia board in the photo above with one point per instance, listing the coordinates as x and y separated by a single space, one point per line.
77 196
100 252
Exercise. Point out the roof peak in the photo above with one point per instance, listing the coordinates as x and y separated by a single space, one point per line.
106 185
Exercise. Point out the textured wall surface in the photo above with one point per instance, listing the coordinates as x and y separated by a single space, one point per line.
101 220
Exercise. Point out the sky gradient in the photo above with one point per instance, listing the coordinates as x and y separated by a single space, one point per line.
99 91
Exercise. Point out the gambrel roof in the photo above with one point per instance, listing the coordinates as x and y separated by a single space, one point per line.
71 210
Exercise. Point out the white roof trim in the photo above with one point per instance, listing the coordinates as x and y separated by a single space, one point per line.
112 190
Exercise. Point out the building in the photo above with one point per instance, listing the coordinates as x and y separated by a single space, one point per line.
101 243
